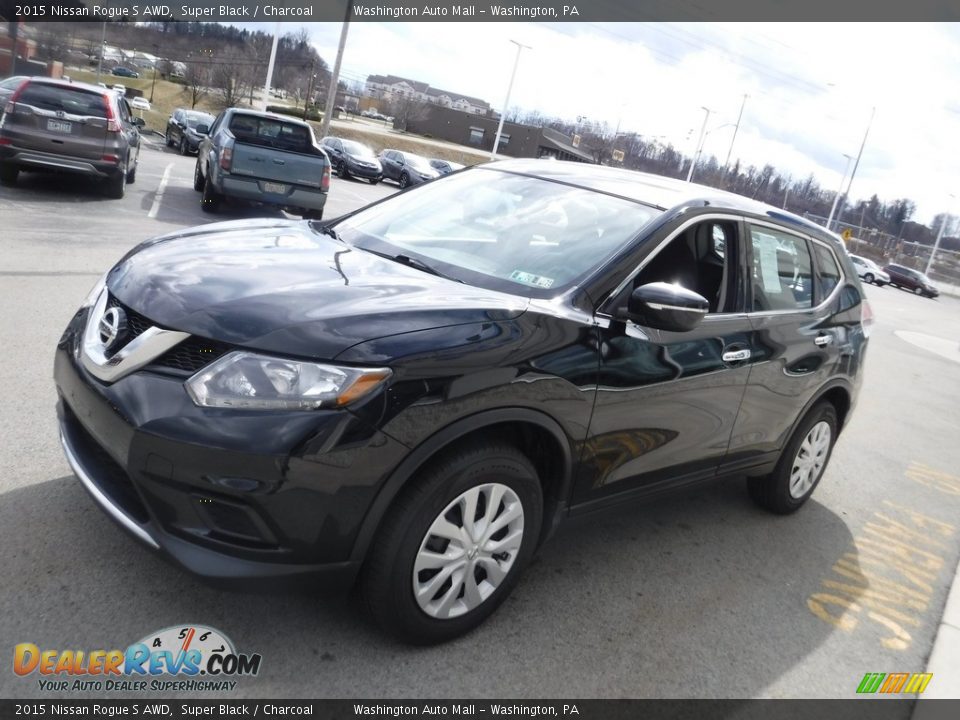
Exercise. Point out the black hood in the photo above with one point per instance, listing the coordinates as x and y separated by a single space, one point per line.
279 286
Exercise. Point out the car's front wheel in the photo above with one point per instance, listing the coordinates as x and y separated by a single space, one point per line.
454 543
183 146
211 198
868 278
404 180
197 177
801 464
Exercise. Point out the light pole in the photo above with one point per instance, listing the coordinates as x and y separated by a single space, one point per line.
696 154
866 132
103 44
335 76
270 65
936 244
839 189
506 102
156 59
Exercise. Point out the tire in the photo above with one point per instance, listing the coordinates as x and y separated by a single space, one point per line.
406 536
342 170
312 214
183 146
404 181
374 181
115 186
8 174
132 174
868 278
168 139
918 291
211 198
774 492
197 177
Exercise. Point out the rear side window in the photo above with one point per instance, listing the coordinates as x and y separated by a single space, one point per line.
63 99
827 270
781 276
269 132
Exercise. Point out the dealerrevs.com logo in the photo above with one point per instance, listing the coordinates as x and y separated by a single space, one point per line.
178 658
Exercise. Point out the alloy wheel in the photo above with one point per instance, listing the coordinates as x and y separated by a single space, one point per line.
468 551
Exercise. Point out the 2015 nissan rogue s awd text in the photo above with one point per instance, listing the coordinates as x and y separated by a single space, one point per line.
414 395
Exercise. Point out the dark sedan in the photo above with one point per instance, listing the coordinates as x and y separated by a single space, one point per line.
185 129
445 167
406 168
125 72
352 159
910 279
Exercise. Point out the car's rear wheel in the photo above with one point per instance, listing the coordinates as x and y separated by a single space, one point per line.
801 464
197 177
115 185
454 544
211 198
312 214
132 173
868 278
8 174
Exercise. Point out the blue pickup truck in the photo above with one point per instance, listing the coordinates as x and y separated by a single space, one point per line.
262 157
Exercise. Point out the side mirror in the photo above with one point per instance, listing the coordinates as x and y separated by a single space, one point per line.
664 306
139 122
203 129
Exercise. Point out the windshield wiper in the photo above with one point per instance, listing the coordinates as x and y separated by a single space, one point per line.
414 263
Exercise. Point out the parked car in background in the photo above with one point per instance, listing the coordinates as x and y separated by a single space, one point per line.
262 157
910 279
406 168
445 167
184 129
869 271
414 396
55 125
350 158
119 89
8 87
140 103
124 72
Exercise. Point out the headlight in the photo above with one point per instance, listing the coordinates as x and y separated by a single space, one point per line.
259 382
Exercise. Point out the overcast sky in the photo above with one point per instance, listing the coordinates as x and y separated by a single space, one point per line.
811 87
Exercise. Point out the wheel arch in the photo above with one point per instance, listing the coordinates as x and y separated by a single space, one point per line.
534 433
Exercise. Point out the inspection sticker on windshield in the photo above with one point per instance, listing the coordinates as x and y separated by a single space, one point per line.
530 279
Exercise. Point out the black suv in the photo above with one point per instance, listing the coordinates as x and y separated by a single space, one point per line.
414 395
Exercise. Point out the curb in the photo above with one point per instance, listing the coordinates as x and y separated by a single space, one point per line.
944 661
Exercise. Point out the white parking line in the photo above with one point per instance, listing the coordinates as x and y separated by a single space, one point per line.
159 196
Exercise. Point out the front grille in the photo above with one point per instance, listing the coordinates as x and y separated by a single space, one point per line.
184 359
136 323
191 355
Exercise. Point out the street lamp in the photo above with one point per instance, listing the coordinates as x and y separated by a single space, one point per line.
856 164
839 189
103 45
156 59
506 102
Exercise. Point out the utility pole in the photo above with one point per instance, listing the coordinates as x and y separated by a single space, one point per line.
506 101
103 44
726 163
696 154
936 244
313 76
156 59
335 76
836 197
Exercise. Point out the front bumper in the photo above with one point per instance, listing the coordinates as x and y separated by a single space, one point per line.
230 496
368 173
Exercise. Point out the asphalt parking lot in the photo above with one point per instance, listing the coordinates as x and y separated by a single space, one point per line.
698 595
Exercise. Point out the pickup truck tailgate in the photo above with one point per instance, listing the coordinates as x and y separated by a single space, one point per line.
276 165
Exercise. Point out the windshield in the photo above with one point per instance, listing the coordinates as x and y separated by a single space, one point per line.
198 119
509 232
421 163
355 148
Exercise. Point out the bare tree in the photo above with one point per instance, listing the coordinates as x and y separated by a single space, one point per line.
229 76
195 81
406 108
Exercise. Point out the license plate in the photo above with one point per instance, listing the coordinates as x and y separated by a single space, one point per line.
59 126
274 187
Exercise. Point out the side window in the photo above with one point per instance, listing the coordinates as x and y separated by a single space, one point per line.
828 271
124 110
781 275
216 124
703 259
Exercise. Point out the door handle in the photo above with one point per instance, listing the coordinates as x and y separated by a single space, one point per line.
822 340
732 356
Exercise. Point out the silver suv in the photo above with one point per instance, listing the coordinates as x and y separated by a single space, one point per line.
72 127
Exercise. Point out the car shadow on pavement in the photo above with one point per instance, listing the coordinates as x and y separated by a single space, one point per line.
698 595
184 202
40 187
